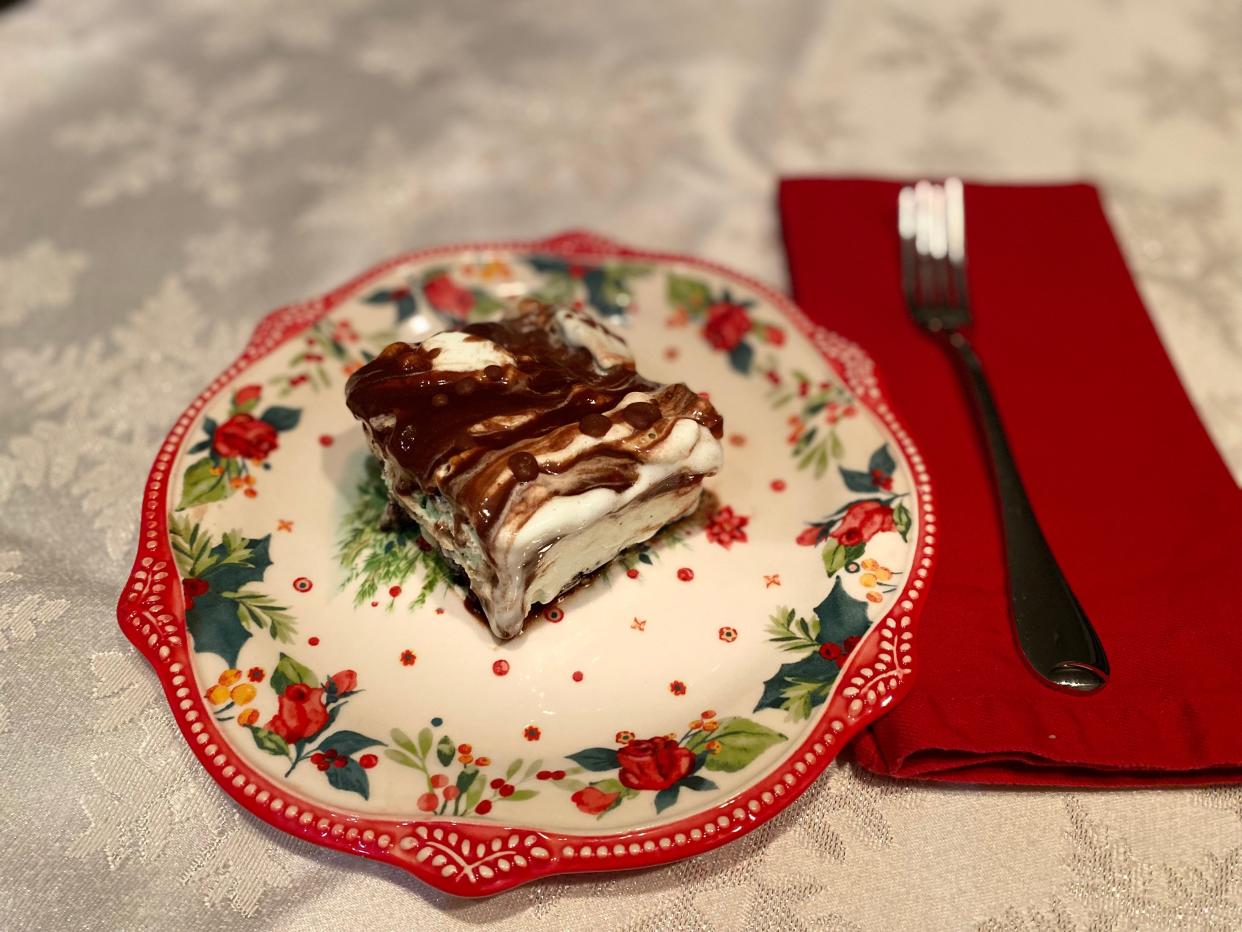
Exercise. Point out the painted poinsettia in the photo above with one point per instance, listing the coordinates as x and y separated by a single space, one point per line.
235 448
607 287
306 709
222 609
824 640
664 765
460 784
725 320
726 527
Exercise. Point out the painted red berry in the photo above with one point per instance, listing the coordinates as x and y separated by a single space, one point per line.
484 807
778 485
500 667
451 793
323 765
316 758
633 574
577 677
685 574
313 641
558 775
439 780
394 591
340 762
325 440
367 761
541 775
428 802
506 790
330 753
497 783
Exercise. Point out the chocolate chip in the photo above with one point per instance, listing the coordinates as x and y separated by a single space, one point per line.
466 386
523 466
594 425
641 414
439 400
494 373
393 349
407 439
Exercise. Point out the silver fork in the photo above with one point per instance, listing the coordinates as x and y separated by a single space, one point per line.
1052 630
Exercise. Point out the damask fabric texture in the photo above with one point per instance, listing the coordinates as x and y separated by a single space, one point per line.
172 171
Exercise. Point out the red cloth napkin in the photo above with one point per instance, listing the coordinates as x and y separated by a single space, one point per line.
1141 512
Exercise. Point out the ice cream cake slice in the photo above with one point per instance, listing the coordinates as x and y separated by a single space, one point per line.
531 451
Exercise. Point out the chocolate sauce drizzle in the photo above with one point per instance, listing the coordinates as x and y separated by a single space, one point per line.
474 437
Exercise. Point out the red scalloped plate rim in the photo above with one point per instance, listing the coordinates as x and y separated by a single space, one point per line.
479 859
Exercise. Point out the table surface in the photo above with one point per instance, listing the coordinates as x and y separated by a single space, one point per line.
169 172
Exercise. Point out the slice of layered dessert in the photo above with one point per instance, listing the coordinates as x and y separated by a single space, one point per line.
531 451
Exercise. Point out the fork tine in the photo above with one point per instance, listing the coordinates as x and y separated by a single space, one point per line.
938 246
905 229
922 240
955 219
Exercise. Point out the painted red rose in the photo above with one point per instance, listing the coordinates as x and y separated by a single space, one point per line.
345 681
300 712
726 325
862 522
653 763
244 436
593 800
247 394
448 297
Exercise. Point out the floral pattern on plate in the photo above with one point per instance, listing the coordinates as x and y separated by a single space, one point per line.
783 607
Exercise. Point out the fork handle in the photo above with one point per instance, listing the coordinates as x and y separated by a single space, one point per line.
1052 630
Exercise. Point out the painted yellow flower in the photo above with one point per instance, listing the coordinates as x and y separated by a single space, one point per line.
243 693
217 695
229 677
248 717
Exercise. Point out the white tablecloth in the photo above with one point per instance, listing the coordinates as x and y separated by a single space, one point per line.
170 171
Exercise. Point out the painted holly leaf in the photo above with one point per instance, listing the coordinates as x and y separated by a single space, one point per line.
695 782
607 292
351 778
288 671
281 418
202 484
841 616
445 751
741 357
741 741
269 741
882 461
792 679
688 293
239 561
858 481
552 264
596 759
347 743
901 518
214 622
215 627
667 797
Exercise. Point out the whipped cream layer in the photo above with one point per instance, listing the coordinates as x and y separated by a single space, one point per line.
531 451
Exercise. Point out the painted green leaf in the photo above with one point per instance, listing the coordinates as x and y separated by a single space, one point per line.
689 293
695 782
518 795
513 768
854 551
901 518
238 561
812 668
201 485
834 557
532 768
841 616
269 741
289 671
347 743
351 778
475 793
425 737
281 418
666 797
401 758
445 751
741 741
741 357
882 461
402 740
215 627
596 759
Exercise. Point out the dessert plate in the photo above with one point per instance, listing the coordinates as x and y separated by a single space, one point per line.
330 678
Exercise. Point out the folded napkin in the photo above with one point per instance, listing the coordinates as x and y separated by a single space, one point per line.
1141 512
